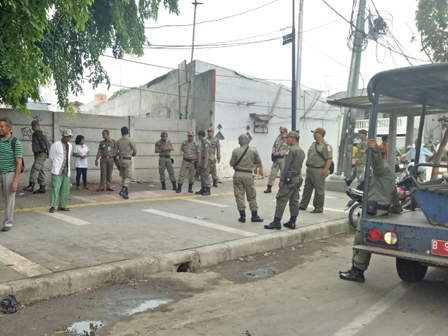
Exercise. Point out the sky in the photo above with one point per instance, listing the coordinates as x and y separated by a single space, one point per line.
326 57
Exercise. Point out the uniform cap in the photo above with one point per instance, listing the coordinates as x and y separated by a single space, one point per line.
283 129
190 134
210 130
243 139
124 130
319 130
294 135
67 132
363 131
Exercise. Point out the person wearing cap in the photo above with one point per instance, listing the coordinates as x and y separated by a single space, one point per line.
11 160
40 147
290 183
215 155
242 161
60 172
106 151
125 149
203 165
278 154
361 157
164 148
320 157
381 190
191 154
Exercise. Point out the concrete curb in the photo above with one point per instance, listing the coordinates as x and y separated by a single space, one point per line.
73 281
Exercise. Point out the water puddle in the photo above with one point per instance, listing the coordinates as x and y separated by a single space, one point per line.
261 272
151 304
81 328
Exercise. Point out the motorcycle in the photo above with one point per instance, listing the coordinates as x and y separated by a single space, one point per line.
403 188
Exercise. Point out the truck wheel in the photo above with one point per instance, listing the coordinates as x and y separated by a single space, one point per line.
410 271
354 214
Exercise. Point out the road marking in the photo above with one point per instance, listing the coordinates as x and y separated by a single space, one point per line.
21 264
208 203
118 202
373 312
202 223
85 199
335 210
65 218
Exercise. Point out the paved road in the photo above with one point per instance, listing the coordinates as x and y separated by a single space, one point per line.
287 292
103 228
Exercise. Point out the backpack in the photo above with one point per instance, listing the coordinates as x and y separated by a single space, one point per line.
13 146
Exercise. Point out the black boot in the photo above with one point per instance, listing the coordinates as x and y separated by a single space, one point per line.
41 190
126 193
275 225
348 182
268 190
163 186
174 185
30 187
255 218
206 192
353 274
291 224
242 218
200 192
122 192
179 188
190 188
215 183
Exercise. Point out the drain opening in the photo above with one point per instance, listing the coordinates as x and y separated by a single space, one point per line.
184 268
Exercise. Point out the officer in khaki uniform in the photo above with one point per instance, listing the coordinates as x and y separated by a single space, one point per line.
278 153
381 189
320 156
242 160
125 149
215 155
290 183
164 149
361 158
204 165
191 154
40 146
106 151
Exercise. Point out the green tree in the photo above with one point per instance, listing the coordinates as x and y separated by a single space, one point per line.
63 40
432 22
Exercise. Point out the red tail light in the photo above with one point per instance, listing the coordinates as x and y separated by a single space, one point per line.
374 235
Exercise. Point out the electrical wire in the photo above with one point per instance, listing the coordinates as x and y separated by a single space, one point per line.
215 20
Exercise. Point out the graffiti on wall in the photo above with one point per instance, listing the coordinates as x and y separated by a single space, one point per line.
27 132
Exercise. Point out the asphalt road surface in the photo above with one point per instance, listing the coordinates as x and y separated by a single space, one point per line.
293 291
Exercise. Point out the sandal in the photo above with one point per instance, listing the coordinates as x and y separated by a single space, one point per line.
63 209
52 210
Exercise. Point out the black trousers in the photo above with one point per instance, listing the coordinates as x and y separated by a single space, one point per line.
83 172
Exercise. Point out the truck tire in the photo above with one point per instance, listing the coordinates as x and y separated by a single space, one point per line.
410 271
354 214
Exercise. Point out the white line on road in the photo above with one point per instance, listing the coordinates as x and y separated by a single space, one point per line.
21 264
207 203
84 199
373 312
65 218
202 223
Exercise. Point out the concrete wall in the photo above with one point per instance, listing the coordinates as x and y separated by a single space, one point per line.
144 131
203 100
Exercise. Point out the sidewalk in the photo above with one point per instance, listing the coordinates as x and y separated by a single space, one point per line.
103 229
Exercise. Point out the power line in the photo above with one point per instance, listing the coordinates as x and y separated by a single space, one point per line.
215 20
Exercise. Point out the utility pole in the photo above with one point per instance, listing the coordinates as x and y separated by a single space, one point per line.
299 60
294 84
349 121
190 73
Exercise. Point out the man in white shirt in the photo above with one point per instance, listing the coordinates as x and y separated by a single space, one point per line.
60 172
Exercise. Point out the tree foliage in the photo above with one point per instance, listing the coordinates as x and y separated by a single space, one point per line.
432 22
63 40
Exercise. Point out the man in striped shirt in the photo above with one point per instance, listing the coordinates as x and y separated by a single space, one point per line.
10 168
